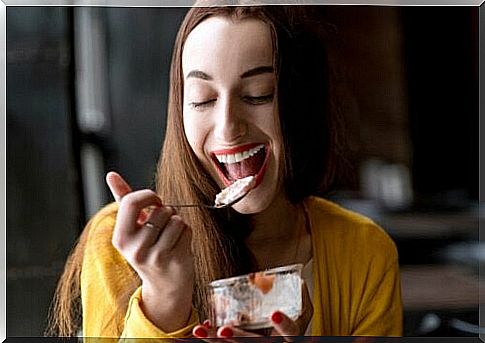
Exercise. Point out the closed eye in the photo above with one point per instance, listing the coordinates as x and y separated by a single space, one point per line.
201 104
258 100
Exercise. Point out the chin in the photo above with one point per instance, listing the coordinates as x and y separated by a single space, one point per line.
257 201
248 207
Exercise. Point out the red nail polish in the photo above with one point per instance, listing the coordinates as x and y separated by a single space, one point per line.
207 323
142 217
200 332
226 332
276 317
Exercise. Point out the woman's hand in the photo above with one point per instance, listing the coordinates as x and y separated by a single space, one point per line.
282 324
156 244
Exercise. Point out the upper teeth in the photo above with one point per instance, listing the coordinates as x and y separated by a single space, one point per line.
239 156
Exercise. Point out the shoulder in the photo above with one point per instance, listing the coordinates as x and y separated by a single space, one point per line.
101 260
107 280
106 216
100 231
103 222
347 232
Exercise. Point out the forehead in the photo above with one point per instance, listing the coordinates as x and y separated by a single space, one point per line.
220 43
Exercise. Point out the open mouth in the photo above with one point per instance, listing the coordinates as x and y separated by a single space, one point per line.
242 161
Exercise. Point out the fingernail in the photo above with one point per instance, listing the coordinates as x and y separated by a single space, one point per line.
200 331
143 215
207 324
226 332
276 317
142 218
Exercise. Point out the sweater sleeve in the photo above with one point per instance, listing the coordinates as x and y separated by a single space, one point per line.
381 312
357 289
110 290
137 325
380 309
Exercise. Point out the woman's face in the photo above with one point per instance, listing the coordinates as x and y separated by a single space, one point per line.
229 107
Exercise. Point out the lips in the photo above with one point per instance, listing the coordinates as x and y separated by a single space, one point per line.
242 161
238 154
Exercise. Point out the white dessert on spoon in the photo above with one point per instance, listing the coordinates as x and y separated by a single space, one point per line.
236 191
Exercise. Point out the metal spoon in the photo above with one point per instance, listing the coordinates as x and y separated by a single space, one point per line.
211 206
241 188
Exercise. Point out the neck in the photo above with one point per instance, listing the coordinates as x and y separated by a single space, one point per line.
277 234
277 222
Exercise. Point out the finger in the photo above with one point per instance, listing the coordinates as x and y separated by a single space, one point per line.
159 216
171 234
207 323
117 185
208 335
154 225
131 206
200 331
230 333
284 326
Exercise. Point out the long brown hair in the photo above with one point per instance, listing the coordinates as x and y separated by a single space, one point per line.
310 139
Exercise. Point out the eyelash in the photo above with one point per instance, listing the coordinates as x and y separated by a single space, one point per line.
259 100
200 105
252 100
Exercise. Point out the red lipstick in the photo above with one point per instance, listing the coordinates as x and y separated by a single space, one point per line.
235 150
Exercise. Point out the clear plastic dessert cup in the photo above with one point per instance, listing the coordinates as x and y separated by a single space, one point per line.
248 301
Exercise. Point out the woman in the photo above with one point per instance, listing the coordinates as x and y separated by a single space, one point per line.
249 95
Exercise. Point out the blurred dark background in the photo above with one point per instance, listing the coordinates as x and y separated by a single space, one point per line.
87 93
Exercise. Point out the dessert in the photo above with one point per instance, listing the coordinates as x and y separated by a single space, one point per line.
248 301
235 191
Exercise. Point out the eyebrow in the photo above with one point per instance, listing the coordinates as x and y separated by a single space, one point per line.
251 72
199 75
257 71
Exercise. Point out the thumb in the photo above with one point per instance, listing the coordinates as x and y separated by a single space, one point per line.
117 185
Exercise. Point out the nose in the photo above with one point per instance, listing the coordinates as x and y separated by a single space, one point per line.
230 124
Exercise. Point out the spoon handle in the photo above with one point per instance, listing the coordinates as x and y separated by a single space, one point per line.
212 207
150 208
190 205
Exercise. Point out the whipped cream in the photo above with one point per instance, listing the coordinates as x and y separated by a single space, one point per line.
235 191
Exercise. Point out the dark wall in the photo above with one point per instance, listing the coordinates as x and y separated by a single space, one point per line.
43 210
441 51
138 81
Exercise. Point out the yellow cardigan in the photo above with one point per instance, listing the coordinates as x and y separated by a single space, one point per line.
356 285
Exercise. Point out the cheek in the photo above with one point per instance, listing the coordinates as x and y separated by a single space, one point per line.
276 134
194 132
271 126
190 132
